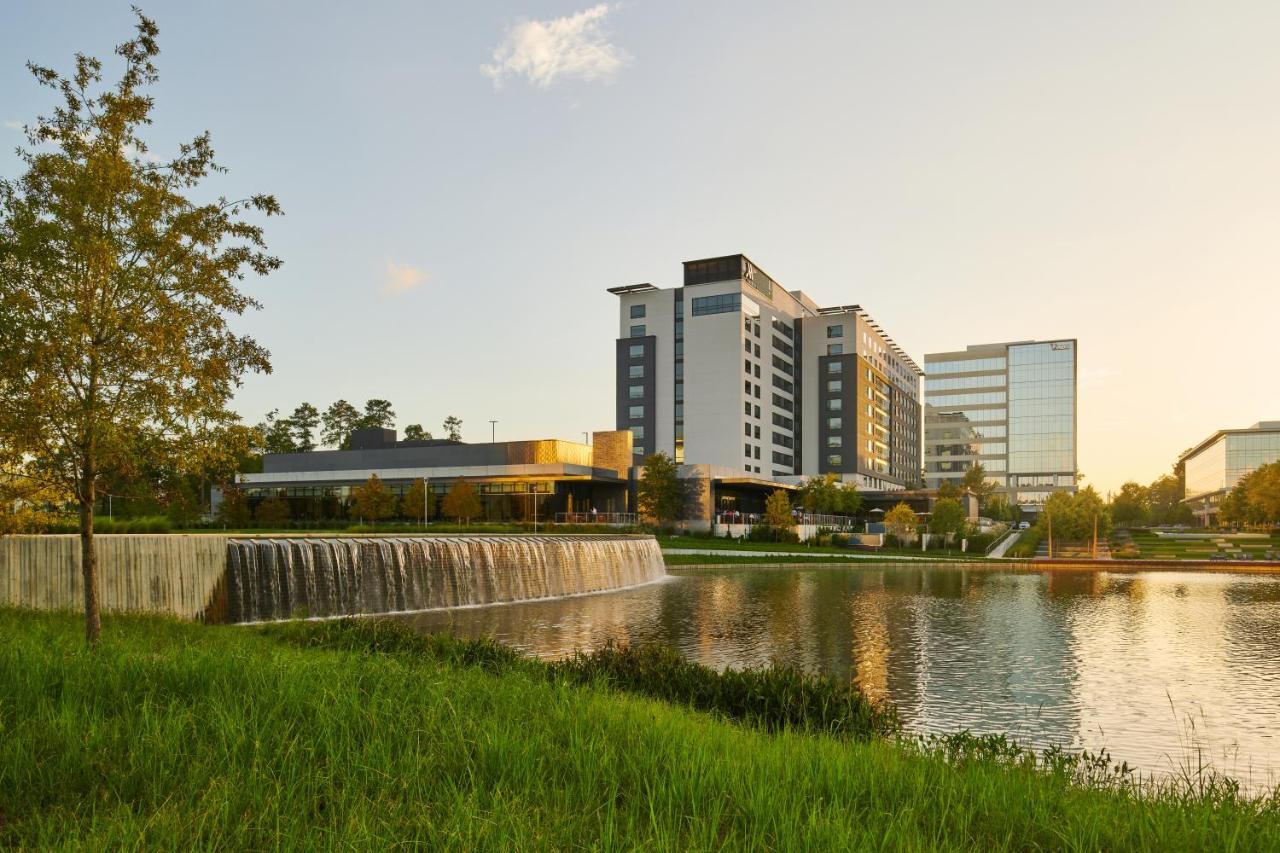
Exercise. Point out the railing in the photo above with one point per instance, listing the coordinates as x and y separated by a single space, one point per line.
616 519
1012 531
836 522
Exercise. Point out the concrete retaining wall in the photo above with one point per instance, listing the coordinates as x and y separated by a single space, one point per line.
163 573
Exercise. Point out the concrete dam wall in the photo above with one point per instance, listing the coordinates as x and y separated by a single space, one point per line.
217 578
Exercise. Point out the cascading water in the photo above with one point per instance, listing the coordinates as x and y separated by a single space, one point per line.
286 578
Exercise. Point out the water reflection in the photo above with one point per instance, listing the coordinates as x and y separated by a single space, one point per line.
1152 666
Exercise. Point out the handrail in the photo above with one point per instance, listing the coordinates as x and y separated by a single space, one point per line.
1010 532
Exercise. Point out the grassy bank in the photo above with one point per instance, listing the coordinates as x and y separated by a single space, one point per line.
325 734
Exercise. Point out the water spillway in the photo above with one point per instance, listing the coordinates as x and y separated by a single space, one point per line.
269 579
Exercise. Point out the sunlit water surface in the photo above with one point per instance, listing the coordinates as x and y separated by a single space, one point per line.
1168 671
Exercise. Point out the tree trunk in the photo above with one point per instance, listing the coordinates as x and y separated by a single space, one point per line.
89 560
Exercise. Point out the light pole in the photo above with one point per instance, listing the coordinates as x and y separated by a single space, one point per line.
426 501
533 499
493 432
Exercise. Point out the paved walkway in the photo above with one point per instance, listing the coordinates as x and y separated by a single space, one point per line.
1004 546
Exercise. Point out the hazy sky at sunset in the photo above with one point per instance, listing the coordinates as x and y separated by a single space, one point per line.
462 181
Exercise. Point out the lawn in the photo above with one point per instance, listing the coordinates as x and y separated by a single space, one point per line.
174 736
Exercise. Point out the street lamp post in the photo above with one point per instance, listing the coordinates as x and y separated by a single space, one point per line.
426 501
493 432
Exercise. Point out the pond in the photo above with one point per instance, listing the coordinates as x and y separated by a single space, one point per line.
1170 671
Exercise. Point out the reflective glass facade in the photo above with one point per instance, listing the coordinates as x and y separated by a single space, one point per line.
1010 408
1042 408
1219 465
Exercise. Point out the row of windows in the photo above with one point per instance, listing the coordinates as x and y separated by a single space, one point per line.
953 383
782 346
934 417
749 367
783 403
722 304
782 459
784 328
785 385
968 365
748 347
977 398
783 440
783 421
748 389
783 366
966 432
747 451
748 432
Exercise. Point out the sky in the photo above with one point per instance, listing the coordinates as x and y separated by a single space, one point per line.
463 181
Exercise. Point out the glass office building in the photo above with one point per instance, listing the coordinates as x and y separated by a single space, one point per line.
1010 407
1215 465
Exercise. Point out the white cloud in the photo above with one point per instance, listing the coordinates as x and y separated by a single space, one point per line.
16 125
542 52
401 278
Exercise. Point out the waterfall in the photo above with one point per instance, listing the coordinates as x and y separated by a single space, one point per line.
270 579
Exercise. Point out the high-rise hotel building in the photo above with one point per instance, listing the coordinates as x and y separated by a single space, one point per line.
733 370
1010 407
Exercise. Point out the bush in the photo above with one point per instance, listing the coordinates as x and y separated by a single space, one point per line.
765 533
1027 544
775 698
840 540
108 526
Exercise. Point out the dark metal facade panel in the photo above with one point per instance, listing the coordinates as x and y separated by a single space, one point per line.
648 359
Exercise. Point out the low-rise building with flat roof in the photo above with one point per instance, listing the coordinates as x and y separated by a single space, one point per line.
1215 465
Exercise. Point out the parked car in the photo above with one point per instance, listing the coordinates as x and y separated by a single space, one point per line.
1026 525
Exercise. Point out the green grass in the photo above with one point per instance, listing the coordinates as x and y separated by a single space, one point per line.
175 736
1153 547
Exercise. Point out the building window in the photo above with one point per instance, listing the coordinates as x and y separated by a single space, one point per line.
637 432
638 449
832 331
723 304
834 386
835 460
746 365
757 371
746 387
757 408
679 349
757 350
757 431
834 423
679 411
746 345
636 371
746 408
746 430
635 412
679 370
746 450
756 394
636 350
833 405
757 453
637 331
835 441
637 312
835 349
635 392
835 367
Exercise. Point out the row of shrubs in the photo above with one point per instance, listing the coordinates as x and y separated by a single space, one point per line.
773 698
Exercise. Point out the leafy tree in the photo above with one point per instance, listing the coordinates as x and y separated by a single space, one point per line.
453 428
303 424
901 521
826 494
372 500
1263 491
461 502
777 514
29 504
949 490
377 415
233 512
337 422
1235 509
415 432
115 288
412 505
1132 506
1164 498
183 507
948 517
660 494
276 433
272 512
975 480
998 508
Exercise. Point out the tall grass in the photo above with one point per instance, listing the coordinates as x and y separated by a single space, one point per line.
175 736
